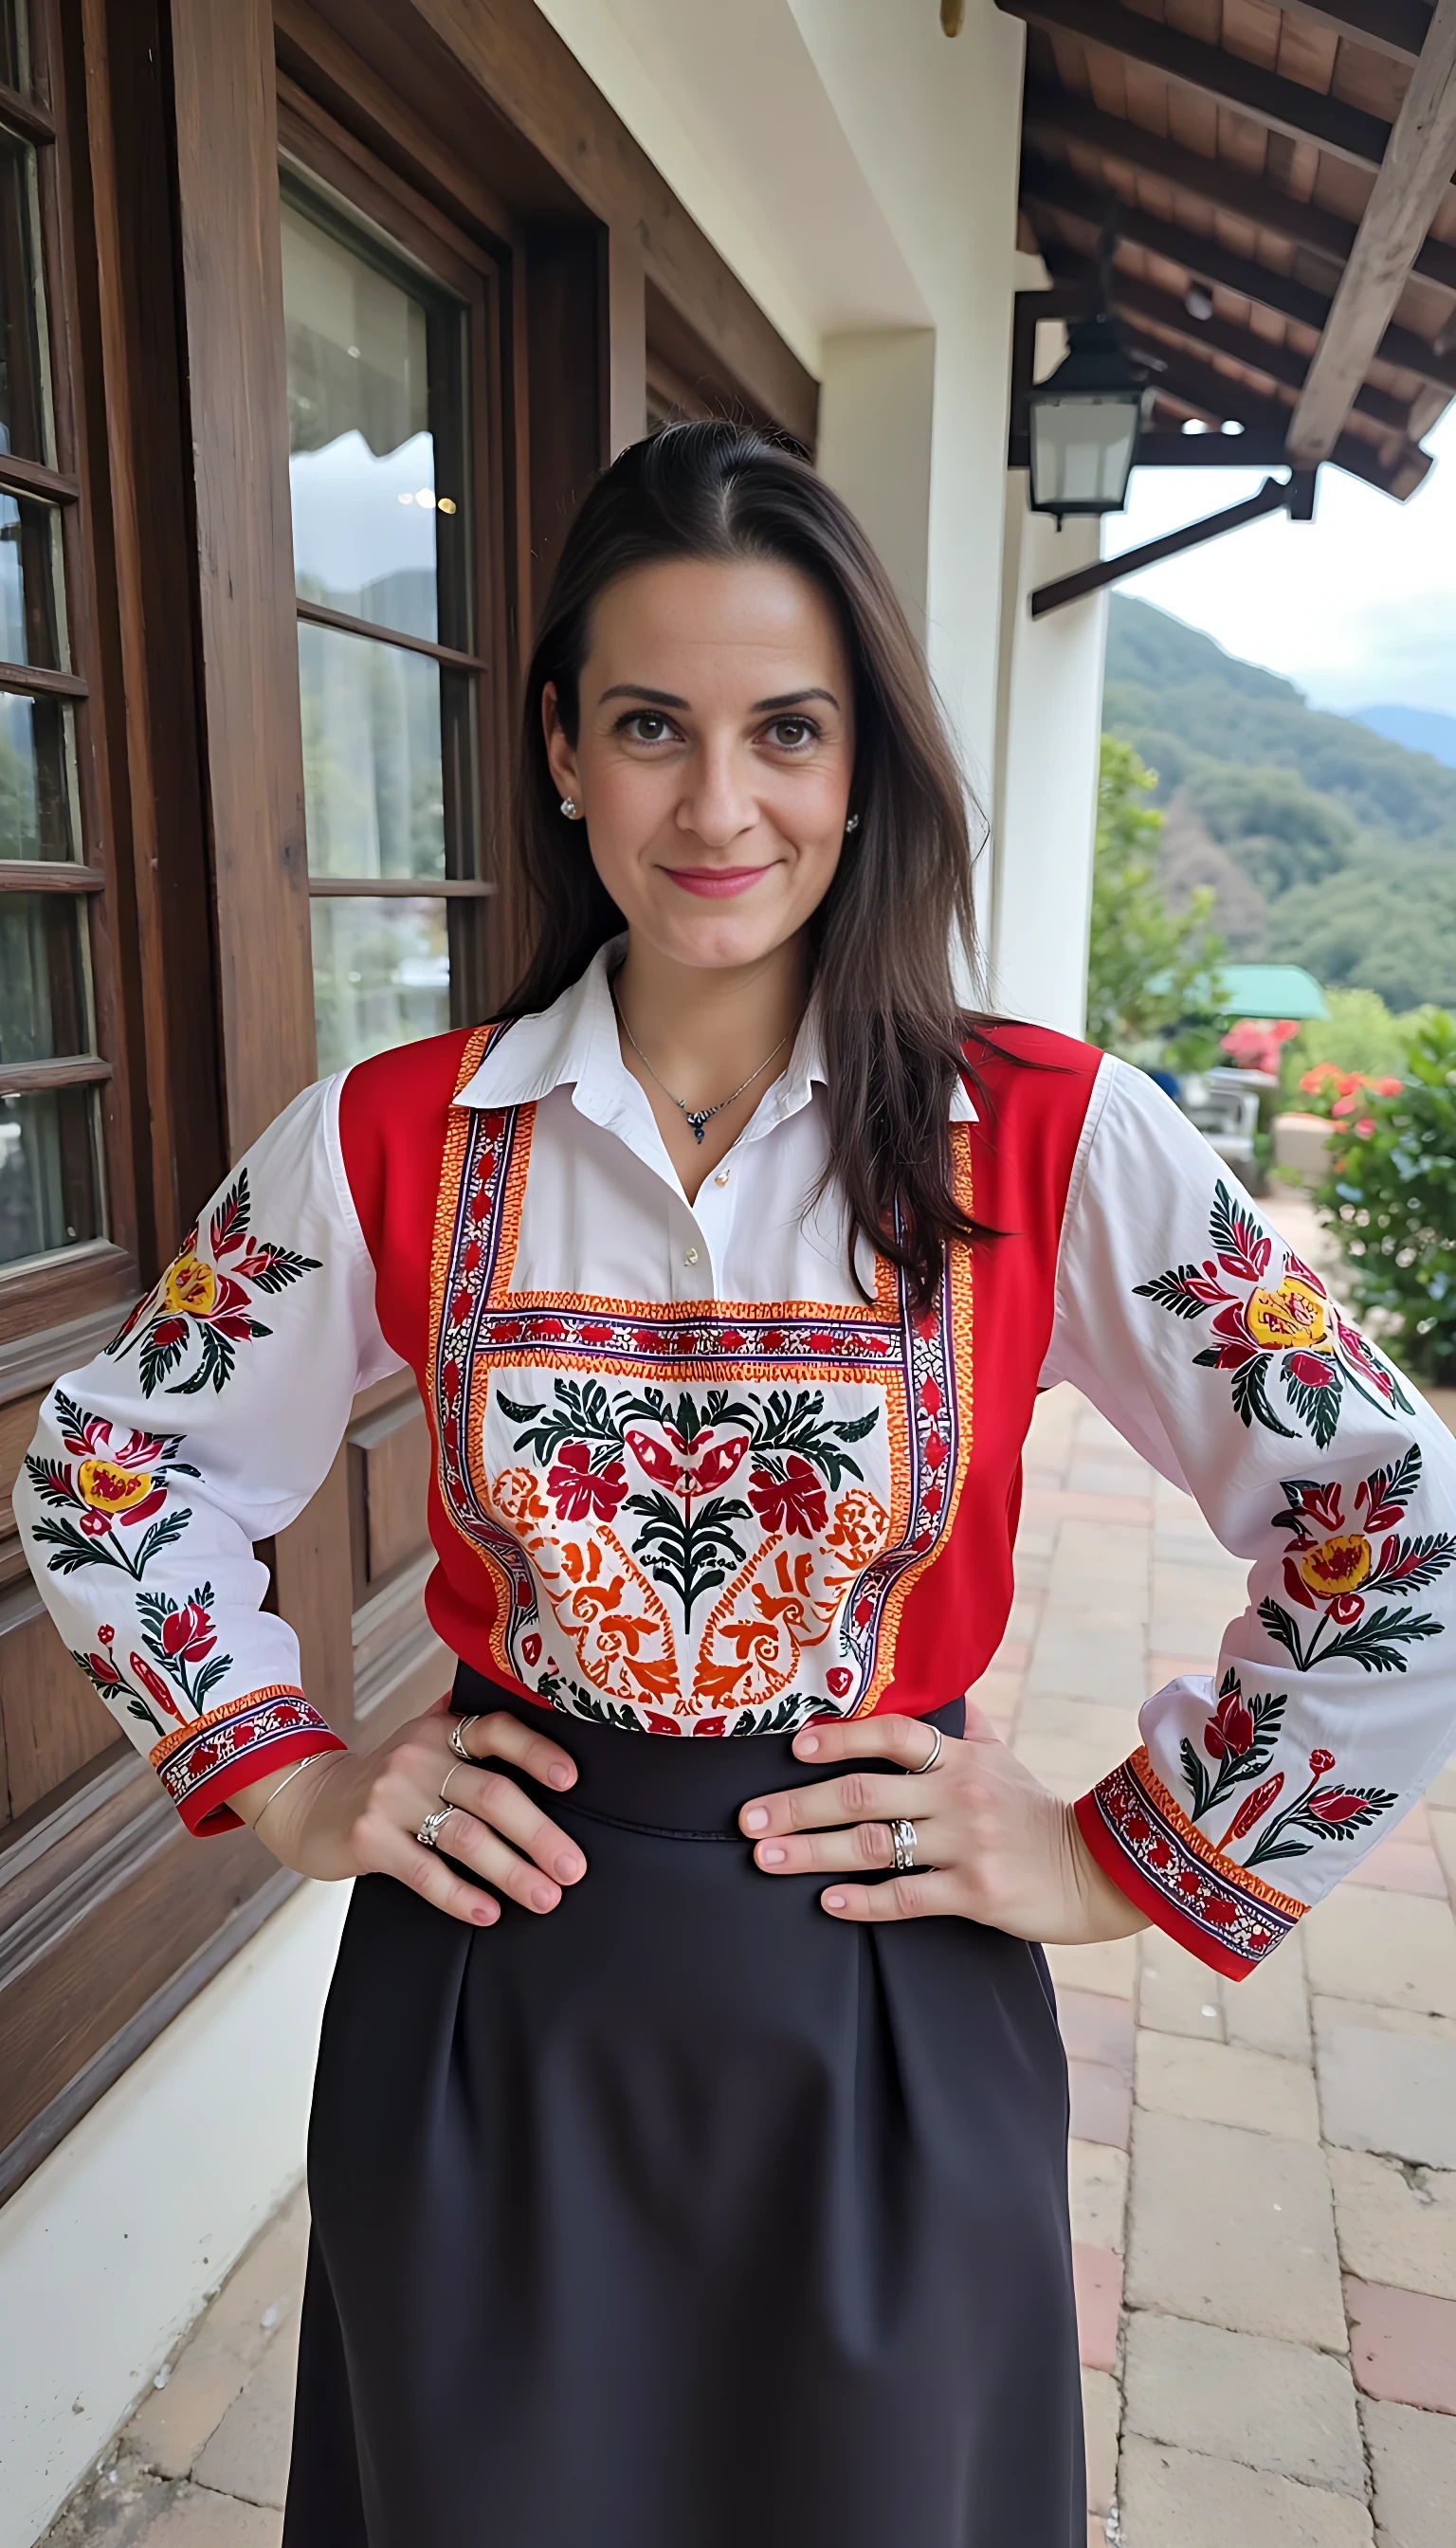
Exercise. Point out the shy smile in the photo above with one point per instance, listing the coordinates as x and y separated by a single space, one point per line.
715 881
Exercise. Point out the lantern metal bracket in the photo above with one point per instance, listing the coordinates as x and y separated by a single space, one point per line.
1294 495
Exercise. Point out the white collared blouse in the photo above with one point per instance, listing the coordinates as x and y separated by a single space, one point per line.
692 1476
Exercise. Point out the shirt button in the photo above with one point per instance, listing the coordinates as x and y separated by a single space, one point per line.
691 1256
721 1179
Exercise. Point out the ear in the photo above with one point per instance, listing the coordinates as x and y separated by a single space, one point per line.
566 779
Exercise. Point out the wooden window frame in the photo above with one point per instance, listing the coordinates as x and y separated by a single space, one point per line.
61 1284
321 156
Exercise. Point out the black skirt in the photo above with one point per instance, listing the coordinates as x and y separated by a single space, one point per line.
685 2216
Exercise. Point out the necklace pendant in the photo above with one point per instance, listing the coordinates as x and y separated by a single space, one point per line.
697 1123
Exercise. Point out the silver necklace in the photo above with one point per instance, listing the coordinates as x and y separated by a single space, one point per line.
696 1118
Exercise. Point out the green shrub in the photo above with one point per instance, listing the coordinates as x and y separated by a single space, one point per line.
1391 1199
1359 1033
1148 968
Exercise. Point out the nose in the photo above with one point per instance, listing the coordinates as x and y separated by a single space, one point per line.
719 803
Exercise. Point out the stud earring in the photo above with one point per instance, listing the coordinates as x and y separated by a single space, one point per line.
851 825
569 808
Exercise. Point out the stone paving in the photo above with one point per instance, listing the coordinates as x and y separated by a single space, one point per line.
1263 2174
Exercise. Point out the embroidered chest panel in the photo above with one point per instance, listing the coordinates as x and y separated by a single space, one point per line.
697 1522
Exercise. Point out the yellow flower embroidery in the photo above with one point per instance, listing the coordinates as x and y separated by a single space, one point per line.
1337 1564
191 1286
110 1489
1293 1315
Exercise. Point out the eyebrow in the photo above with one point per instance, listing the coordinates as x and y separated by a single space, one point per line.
669 699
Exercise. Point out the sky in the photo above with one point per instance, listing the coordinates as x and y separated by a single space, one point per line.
1357 606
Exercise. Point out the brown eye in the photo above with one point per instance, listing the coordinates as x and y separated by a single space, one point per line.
646 725
792 733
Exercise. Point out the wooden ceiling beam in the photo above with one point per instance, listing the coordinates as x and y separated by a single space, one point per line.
1396 28
1303 114
1213 395
1135 299
1221 182
1413 180
1058 189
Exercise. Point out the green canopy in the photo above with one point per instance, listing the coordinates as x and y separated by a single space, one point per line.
1268 991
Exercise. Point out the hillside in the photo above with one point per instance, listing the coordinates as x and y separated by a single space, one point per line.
1324 841
1419 729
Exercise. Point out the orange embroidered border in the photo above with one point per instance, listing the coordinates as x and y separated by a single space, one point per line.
1140 1767
180 1733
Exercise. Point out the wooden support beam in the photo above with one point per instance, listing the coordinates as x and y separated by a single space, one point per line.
1276 496
1284 104
1403 201
1045 183
1217 181
1394 27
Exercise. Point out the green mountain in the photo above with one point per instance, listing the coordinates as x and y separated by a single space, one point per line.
1324 841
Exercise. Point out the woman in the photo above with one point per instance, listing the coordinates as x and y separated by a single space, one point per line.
689 2148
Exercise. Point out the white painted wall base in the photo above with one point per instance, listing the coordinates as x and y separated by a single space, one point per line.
108 2252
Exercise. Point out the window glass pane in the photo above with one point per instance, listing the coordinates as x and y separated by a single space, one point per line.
381 974
43 1007
24 402
36 778
49 1183
32 607
379 522
15 49
373 782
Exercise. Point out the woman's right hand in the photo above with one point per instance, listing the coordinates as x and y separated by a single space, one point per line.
350 1814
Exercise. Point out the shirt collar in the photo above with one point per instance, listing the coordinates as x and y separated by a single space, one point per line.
575 1043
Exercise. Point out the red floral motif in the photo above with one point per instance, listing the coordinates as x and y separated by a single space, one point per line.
794 1502
1263 1327
156 1688
116 1484
531 1650
579 1494
839 1681
661 1724
1320 1761
1252 1810
1230 1728
188 1633
711 1725
210 1304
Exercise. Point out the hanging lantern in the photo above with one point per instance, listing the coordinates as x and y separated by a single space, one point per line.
1083 424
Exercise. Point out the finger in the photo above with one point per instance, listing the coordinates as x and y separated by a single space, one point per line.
905 1740
392 1852
904 1898
862 1796
504 1736
489 1799
461 1836
834 1853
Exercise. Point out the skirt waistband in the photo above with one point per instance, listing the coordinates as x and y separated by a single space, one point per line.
647 1782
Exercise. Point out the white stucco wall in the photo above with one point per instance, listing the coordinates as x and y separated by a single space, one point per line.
109 2250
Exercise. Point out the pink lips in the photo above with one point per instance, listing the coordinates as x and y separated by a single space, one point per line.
715 881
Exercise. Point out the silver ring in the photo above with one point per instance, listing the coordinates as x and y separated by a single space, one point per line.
458 1725
428 1834
903 1838
921 1767
445 1782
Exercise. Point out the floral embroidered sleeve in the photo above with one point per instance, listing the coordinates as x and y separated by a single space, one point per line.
205 1426
1184 1316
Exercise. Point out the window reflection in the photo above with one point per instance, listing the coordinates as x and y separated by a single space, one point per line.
50 1179
25 418
369 519
36 778
43 1008
381 976
373 780
31 611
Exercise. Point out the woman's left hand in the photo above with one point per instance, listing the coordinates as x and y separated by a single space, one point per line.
992 1844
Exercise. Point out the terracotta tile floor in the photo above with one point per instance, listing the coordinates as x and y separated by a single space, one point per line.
1268 2316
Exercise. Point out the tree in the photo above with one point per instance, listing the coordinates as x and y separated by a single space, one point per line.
1146 966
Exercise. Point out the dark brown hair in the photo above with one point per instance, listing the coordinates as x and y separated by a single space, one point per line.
881 938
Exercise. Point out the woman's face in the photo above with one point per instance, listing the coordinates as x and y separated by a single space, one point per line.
714 755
